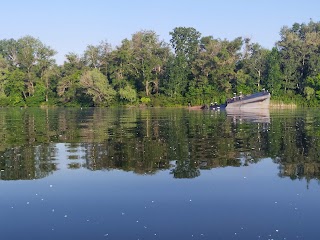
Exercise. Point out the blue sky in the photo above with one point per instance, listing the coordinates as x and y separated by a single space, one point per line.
71 25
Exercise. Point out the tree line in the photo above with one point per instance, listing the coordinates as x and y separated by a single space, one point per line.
145 70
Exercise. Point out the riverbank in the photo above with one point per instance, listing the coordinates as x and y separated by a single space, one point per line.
282 105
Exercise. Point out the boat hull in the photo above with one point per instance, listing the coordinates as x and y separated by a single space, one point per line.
257 100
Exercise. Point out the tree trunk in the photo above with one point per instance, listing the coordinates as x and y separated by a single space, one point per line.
47 87
30 83
147 88
156 85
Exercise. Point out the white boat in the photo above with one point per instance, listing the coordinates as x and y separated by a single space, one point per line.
257 100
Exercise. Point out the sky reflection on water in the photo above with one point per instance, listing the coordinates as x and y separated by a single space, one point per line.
225 203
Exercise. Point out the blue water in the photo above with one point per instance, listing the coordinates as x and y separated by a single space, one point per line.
225 202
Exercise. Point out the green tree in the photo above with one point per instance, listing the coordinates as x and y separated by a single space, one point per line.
299 48
14 88
312 89
128 94
185 42
227 55
68 86
49 78
98 56
9 51
95 85
121 69
176 79
149 56
33 54
3 76
273 74
254 63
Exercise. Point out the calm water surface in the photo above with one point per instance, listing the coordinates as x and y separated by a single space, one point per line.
159 174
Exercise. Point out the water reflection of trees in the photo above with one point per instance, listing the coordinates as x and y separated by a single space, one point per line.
296 146
27 163
151 140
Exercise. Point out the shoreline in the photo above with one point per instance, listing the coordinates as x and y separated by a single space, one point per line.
281 105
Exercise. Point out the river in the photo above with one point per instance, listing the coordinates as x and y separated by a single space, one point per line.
97 173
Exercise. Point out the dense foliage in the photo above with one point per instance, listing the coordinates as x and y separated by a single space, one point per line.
145 70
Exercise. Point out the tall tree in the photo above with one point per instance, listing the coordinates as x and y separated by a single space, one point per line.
273 75
68 84
33 53
98 56
254 62
9 51
3 76
175 81
185 42
49 76
298 46
149 56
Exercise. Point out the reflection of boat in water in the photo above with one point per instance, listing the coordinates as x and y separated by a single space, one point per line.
256 115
